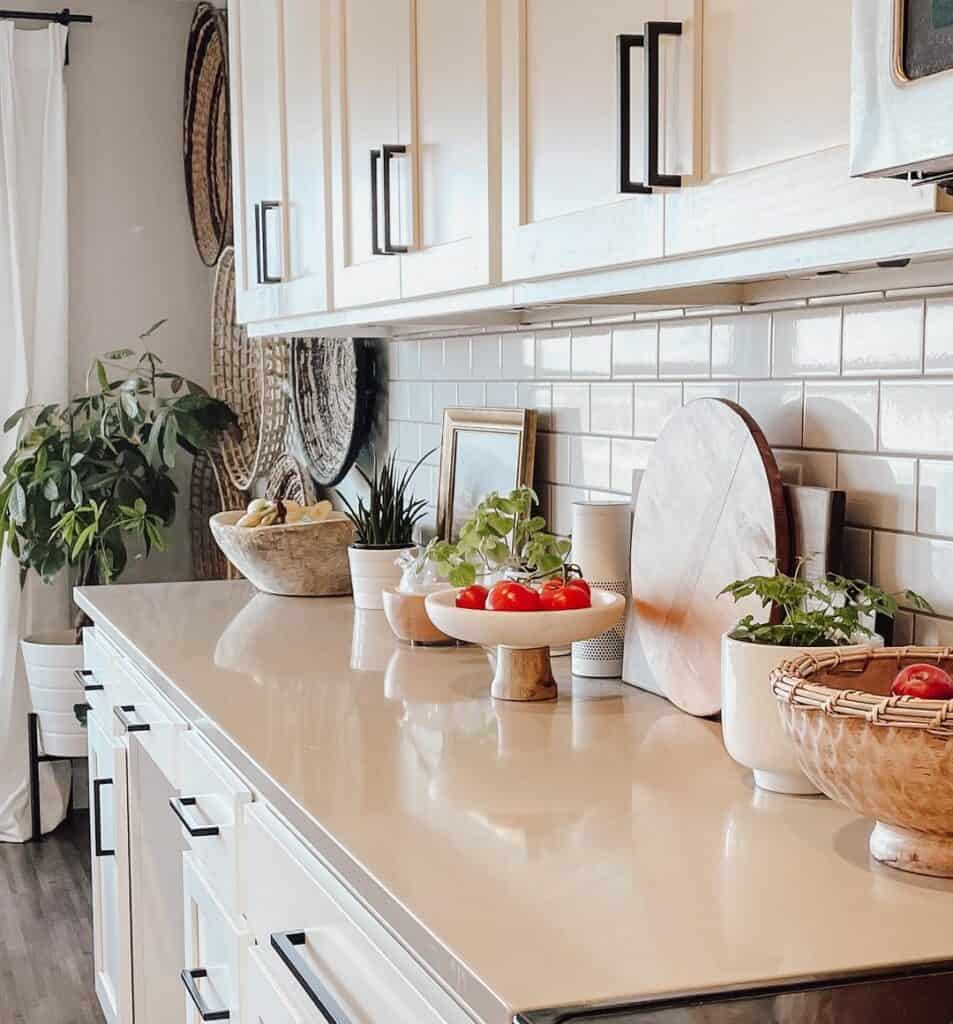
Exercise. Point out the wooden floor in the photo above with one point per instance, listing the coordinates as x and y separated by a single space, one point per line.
46 960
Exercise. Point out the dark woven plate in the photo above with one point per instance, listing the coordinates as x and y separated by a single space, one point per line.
332 399
207 142
289 480
211 492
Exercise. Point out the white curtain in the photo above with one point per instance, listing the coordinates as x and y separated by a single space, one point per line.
33 365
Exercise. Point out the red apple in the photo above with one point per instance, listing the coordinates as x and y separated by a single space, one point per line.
927 681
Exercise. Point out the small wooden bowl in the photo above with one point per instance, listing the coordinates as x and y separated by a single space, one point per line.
889 758
407 616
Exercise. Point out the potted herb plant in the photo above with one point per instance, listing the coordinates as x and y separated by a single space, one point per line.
384 528
87 478
801 614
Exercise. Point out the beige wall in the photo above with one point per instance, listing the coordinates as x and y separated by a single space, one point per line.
132 259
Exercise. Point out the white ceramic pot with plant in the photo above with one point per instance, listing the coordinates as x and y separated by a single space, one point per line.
384 530
813 615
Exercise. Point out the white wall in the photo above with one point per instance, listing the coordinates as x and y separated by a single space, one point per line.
132 258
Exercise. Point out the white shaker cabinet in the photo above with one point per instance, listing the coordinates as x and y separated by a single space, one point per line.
279 130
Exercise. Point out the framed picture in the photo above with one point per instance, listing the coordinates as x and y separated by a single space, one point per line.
483 450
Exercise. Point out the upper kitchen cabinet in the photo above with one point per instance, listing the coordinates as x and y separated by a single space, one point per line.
591 96
279 128
414 157
776 132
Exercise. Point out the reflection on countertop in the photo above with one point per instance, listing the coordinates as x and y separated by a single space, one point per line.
600 847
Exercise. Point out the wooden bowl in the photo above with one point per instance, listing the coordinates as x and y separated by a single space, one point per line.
407 616
889 758
295 560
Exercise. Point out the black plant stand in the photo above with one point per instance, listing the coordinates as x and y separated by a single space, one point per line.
36 759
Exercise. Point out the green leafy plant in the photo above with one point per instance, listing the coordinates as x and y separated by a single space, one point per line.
87 477
388 517
827 612
502 536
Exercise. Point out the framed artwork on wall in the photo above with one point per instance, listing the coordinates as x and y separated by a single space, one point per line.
483 450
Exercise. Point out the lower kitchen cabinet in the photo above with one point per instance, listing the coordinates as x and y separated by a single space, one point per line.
263 1002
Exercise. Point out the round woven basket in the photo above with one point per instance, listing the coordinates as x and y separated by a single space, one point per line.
889 758
250 374
289 480
206 133
211 492
332 394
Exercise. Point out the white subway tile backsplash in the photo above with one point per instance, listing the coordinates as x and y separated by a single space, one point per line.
555 467
589 460
430 437
931 632
938 356
694 390
635 351
884 337
408 441
741 346
935 498
627 456
881 491
777 406
553 355
471 394
917 416
399 400
841 415
456 358
519 356
431 359
421 401
501 395
444 397
807 342
485 359
592 352
571 408
611 409
538 397
904 562
408 360
685 348
654 403
811 469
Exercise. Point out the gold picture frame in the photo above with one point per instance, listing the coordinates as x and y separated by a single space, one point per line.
498 449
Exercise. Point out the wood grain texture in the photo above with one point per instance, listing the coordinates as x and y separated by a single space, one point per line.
710 510
46 959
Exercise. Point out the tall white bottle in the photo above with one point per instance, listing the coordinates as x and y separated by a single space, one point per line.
601 539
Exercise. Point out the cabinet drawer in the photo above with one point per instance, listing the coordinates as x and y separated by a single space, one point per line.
143 711
210 808
262 1000
322 946
214 944
106 683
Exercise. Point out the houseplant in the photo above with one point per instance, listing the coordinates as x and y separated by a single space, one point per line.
384 527
802 614
88 477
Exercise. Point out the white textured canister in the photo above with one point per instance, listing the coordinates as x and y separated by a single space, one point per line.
601 539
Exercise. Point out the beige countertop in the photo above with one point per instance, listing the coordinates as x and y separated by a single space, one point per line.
604 847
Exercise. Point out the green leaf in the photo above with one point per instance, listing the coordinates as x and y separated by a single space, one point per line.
11 421
150 331
17 505
77 458
51 490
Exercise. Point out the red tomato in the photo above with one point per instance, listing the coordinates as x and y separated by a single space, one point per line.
508 596
927 681
580 583
473 597
564 599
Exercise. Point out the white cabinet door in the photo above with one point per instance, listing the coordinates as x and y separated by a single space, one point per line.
369 50
562 207
109 840
776 131
279 158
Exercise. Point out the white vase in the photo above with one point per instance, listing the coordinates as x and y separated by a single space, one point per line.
51 661
374 570
750 720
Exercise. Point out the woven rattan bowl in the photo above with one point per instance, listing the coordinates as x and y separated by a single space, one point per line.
889 758
296 560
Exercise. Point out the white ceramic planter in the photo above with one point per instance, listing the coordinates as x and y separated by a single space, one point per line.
373 570
51 660
750 722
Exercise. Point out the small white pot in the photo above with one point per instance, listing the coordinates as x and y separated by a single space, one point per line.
374 570
750 720
51 659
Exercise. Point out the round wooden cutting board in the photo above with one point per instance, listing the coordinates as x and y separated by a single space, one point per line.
710 510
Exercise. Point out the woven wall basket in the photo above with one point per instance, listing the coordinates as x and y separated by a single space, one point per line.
206 133
289 480
250 374
211 493
332 397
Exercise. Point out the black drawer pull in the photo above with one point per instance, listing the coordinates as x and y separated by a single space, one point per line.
98 847
388 154
178 805
262 210
83 677
649 41
375 227
123 711
190 979
286 945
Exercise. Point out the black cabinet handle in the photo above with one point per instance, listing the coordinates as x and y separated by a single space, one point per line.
388 154
86 678
649 41
178 805
262 210
286 945
375 227
98 847
190 979
123 711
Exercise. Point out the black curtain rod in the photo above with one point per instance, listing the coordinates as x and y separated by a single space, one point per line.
64 17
